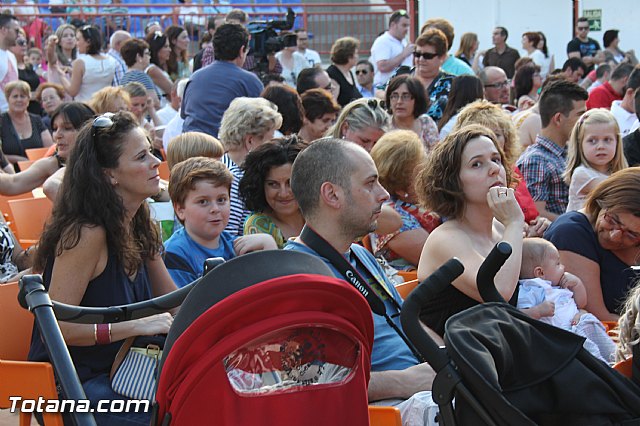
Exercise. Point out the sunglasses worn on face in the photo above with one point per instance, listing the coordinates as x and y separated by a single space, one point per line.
21 42
363 72
103 121
425 55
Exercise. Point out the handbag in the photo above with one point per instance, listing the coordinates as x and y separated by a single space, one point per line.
135 367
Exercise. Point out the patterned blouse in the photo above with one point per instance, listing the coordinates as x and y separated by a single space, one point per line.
259 223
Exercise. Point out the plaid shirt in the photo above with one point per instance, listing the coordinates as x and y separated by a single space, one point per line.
542 165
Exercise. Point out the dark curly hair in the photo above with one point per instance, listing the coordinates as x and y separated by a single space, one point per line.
257 165
289 106
85 192
438 184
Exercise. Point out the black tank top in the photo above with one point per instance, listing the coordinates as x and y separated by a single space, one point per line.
112 287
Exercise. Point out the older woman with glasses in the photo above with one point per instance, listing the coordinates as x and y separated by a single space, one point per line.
429 55
137 56
407 103
601 243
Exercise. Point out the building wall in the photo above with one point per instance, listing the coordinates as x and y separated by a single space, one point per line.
552 17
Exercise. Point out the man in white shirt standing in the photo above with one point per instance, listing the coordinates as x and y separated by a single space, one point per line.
391 50
8 65
310 55
625 110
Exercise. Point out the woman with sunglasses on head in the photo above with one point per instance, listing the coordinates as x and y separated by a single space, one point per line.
407 103
92 70
362 121
429 55
601 243
96 256
160 52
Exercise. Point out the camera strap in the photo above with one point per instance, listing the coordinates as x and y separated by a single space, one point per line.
353 277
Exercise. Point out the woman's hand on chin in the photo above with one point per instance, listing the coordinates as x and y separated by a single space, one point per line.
502 202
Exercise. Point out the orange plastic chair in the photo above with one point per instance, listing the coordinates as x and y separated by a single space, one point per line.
405 288
16 325
24 165
384 416
408 275
36 153
6 211
29 216
28 380
163 170
366 243
624 367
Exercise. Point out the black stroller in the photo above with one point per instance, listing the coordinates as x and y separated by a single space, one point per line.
505 368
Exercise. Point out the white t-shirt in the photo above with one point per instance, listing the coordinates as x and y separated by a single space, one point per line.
312 57
581 177
627 121
290 75
6 57
166 113
386 47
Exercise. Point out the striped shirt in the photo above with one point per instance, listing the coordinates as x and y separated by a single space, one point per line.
238 212
542 165
121 67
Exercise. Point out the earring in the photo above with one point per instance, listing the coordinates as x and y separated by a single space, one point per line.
406 195
115 182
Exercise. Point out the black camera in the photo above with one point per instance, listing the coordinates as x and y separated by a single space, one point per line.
264 37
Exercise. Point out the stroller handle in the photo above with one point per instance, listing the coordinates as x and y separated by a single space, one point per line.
409 317
112 314
488 270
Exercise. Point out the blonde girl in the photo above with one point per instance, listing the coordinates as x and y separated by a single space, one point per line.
629 325
595 152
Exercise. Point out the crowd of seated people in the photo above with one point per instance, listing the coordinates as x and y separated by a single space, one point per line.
435 143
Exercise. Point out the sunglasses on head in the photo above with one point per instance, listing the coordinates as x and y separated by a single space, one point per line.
103 121
374 103
425 55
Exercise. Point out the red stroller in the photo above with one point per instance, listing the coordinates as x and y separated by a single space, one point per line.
267 338
262 341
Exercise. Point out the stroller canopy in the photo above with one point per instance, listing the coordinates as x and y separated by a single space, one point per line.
291 349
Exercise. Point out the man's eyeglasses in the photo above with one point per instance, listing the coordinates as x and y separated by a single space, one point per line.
500 85
425 55
404 97
103 121
613 220
363 72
